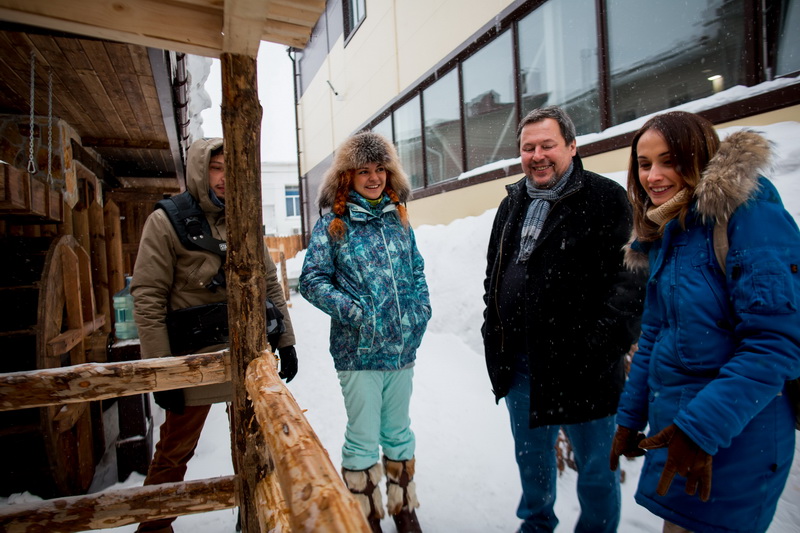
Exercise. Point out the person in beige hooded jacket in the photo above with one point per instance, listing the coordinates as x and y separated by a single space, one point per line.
167 277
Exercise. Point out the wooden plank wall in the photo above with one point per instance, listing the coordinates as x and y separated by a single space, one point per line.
134 208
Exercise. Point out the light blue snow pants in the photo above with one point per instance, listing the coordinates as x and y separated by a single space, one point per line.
377 415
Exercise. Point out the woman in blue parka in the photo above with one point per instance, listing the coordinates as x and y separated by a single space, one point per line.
362 268
720 337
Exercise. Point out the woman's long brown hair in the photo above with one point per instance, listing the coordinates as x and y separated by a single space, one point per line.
692 142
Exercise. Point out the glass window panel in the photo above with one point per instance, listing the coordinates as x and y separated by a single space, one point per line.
408 138
443 129
355 11
661 56
384 127
489 109
788 61
292 201
558 61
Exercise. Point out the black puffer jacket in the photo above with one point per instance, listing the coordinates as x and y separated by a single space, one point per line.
582 308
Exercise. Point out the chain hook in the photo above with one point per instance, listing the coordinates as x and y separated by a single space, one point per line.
31 160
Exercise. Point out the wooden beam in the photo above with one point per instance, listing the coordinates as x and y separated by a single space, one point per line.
92 165
243 25
68 416
119 508
101 381
299 13
245 268
137 196
69 339
317 498
163 82
144 144
113 234
289 34
151 23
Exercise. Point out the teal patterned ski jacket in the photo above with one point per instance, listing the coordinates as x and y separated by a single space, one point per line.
372 284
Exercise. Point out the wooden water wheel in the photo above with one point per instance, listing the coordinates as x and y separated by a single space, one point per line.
47 320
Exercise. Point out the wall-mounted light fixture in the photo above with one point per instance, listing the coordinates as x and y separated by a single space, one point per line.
337 94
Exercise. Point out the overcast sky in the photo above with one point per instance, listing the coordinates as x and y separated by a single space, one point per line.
278 140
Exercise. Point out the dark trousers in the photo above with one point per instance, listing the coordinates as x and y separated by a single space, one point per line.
179 437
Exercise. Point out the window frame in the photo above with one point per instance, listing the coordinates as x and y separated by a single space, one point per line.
758 71
347 6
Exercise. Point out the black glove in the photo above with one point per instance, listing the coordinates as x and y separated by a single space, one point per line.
288 357
684 457
171 400
626 442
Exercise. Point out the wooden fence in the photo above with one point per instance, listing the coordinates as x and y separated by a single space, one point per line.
288 245
299 489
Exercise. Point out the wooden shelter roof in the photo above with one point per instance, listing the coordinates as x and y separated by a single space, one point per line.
112 81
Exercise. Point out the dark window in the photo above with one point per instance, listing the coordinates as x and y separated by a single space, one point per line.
661 57
443 150
490 114
558 61
354 13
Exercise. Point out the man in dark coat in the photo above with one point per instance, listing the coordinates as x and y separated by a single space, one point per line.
561 312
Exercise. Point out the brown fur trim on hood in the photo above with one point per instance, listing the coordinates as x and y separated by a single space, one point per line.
358 150
731 177
634 260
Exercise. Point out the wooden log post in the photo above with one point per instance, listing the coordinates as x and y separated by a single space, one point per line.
245 269
317 498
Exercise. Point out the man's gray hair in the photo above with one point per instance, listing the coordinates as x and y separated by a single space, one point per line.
554 112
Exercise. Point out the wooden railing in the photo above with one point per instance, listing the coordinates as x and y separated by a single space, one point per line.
299 489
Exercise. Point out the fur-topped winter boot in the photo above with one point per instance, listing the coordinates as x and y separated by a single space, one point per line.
364 485
401 492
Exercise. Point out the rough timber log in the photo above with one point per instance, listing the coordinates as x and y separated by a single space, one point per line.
119 508
245 269
317 498
101 381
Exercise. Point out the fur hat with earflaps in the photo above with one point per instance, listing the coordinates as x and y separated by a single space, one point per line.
357 151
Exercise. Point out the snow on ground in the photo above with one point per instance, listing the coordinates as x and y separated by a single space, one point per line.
466 476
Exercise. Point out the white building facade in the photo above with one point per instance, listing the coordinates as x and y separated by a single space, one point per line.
448 81
280 199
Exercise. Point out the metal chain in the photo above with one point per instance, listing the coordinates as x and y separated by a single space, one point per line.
49 125
31 161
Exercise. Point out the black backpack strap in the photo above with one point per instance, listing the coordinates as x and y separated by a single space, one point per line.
191 225
194 231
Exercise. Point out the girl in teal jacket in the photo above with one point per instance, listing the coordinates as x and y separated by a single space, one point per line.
362 268
718 342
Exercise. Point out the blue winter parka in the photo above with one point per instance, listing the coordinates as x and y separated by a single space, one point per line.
371 283
717 347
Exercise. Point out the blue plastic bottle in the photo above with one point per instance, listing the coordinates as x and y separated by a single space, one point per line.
125 327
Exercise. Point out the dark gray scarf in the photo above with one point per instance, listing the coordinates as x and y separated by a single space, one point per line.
537 213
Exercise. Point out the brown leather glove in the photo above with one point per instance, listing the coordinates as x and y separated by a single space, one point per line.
626 442
684 457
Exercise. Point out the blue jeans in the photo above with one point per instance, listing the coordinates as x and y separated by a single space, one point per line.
598 486
377 406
